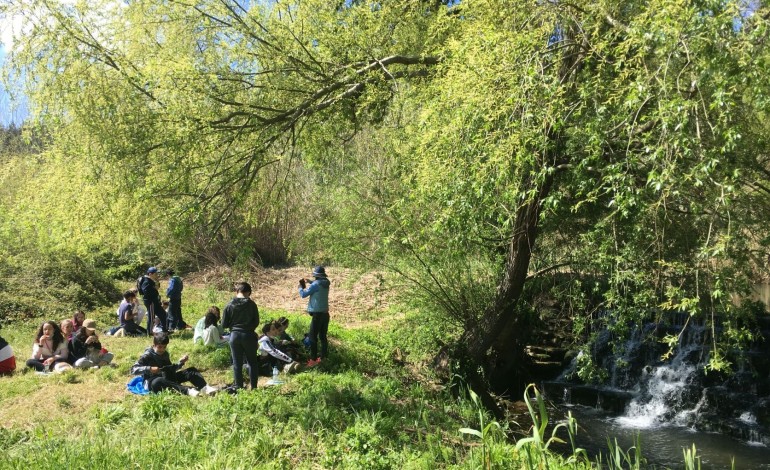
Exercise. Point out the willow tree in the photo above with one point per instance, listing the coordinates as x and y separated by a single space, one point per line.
198 106
622 138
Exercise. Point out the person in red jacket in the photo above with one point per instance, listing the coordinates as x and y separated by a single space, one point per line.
7 359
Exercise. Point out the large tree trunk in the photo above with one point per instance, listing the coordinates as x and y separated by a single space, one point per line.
500 325
496 342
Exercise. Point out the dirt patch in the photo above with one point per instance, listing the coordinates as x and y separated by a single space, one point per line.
354 300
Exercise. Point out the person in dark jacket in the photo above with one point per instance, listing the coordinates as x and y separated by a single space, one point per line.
241 316
174 294
149 290
159 374
85 350
318 308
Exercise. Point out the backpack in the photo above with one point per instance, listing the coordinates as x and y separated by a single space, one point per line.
139 285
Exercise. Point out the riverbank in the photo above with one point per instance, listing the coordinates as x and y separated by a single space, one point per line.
373 404
362 408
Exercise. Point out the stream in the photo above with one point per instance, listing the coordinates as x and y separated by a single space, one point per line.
663 444
674 403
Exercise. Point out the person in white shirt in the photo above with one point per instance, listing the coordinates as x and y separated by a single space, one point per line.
49 348
211 335
201 325
269 354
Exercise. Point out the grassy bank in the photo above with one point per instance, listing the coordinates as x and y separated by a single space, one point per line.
364 408
358 410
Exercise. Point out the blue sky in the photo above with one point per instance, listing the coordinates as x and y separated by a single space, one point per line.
8 114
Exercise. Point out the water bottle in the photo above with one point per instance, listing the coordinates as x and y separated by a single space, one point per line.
275 374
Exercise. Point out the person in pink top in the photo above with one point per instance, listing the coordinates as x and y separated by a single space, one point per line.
77 320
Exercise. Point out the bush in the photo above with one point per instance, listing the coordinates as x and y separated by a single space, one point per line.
51 285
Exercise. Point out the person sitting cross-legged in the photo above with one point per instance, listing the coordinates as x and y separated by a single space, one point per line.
85 350
159 374
49 349
270 356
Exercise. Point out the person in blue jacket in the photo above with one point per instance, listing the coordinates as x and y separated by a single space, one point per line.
318 308
174 294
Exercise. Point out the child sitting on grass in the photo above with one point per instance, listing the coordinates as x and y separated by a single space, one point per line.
201 326
7 359
270 355
284 342
49 349
85 350
160 374
66 328
127 317
211 335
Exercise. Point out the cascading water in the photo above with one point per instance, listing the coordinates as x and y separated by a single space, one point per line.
671 403
664 393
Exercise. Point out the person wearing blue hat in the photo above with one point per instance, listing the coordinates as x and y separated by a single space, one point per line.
147 286
318 308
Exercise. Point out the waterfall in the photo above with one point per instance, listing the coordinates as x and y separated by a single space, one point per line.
664 393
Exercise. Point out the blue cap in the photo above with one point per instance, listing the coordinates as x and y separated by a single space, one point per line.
152 270
319 271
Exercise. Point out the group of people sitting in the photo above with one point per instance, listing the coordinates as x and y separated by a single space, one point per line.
277 350
74 343
70 343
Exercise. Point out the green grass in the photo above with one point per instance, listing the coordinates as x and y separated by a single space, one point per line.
358 410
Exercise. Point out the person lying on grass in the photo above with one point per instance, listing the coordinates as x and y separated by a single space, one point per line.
49 348
160 374
85 350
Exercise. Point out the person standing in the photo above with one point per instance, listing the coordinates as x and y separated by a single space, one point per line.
148 288
318 308
241 316
174 294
